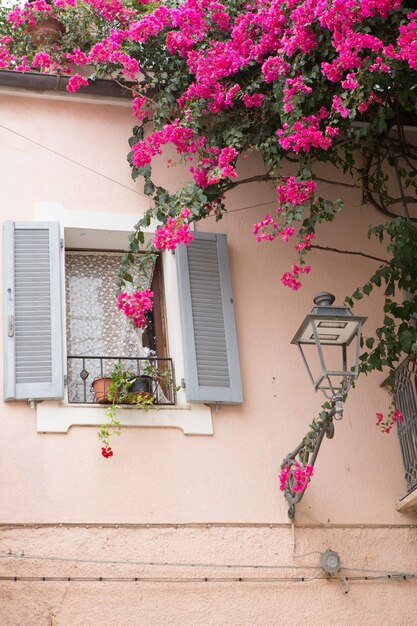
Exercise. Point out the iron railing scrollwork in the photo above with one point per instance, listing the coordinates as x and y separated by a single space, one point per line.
405 399
83 370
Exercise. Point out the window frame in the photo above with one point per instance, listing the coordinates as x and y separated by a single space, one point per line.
59 415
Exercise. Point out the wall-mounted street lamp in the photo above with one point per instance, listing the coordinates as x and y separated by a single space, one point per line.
331 329
329 342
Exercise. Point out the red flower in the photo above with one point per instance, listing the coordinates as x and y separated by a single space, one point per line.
106 452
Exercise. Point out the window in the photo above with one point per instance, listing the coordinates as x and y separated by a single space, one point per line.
199 321
99 335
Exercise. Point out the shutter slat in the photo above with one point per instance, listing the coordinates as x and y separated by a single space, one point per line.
27 278
203 267
33 297
209 333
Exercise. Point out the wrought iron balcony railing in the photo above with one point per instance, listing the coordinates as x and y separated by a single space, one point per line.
158 373
405 396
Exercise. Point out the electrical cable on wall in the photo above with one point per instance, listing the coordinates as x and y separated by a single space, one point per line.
375 573
90 169
86 167
22 555
206 579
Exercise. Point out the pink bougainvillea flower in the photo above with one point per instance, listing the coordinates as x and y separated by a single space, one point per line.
297 269
75 82
288 279
139 107
254 101
136 305
175 231
386 424
295 191
306 241
300 473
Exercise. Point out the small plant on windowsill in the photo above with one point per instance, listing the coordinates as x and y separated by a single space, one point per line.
124 387
127 387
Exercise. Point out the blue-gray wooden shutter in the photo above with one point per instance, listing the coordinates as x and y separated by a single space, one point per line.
212 370
33 352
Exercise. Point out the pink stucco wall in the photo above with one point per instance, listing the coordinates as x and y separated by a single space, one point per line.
161 476
212 602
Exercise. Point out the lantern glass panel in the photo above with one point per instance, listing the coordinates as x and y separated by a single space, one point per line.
329 340
331 378
330 329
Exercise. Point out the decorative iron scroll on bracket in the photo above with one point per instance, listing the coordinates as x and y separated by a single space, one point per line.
308 450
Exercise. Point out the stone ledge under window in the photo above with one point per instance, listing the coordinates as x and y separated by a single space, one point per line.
409 503
58 417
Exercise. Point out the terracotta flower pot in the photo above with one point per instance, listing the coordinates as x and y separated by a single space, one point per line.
47 32
100 386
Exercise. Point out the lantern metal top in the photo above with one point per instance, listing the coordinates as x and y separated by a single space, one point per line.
324 298
331 325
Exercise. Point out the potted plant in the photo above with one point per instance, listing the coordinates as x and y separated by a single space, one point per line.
47 31
124 387
100 388
44 26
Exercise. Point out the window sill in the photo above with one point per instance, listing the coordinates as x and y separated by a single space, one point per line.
409 503
58 417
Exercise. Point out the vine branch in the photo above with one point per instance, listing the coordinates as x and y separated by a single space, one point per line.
253 179
354 252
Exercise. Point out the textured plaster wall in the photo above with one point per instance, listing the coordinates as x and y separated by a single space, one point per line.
161 476
227 603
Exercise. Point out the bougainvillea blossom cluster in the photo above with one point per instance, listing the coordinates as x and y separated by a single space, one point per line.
75 82
290 279
295 191
298 474
139 107
395 416
232 58
175 231
183 138
136 305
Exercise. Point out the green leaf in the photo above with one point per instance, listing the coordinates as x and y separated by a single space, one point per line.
133 140
148 187
406 339
135 173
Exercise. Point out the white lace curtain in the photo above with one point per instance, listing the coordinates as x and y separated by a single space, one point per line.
95 327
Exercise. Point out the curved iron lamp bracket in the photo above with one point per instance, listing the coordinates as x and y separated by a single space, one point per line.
308 449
